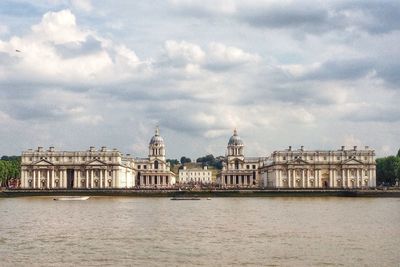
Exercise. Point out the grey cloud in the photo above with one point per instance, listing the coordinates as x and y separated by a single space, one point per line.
348 69
373 113
70 50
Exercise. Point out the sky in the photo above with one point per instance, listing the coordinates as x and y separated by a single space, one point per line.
81 73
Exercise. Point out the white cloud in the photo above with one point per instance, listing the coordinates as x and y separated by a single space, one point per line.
85 5
183 52
41 59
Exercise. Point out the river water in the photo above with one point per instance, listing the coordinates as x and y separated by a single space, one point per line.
118 231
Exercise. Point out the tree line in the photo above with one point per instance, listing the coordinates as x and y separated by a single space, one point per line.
208 160
10 168
388 170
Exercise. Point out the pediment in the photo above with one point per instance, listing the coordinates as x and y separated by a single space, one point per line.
96 162
233 160
352 161
43 162
298 161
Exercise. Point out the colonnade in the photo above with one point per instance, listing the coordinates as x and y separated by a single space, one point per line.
152 180
324 178
50 178
237 180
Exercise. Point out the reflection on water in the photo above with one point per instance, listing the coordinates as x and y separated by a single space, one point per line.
107 231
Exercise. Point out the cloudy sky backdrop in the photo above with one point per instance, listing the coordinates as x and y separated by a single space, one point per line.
317 73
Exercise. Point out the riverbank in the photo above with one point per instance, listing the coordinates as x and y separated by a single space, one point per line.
204 193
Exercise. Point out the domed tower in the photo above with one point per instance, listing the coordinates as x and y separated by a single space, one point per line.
235 146
157 147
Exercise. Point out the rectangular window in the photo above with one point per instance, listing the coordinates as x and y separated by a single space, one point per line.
324 158
284 158
138 167
254 166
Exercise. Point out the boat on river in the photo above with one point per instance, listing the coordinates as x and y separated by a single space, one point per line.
69 198
185 198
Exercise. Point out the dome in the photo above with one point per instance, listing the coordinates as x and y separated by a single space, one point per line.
157 139
235 140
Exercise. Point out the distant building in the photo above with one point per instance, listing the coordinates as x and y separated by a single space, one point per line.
93 168
154 171
238 170
199 175
344 168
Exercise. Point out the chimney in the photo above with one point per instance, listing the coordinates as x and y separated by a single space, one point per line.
290 148
91 149
355 147
51 149
342 148
103 148
205 167
302 148
366 147
40 149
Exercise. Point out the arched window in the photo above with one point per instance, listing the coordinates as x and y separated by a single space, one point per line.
156 165
236 164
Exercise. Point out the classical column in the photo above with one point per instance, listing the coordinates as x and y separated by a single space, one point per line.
39 177
87 179
52 178
334 182
303 178
101 179
343 181
91 178
34 178
347 178
48 179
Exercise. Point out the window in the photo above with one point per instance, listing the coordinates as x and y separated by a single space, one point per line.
156 165
254 166
247 166
56 158
109 158
30 159
311 158
139 167
324 158
236 164
284 158
338 158
144 166
365 158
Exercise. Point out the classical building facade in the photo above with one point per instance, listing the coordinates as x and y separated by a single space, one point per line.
154 171
195 175
51 169
343 168
238 170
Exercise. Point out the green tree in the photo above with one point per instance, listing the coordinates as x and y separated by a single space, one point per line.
185 160
388 170
398 153
10 167
173 162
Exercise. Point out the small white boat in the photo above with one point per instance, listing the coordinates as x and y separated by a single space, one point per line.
209 198
71 198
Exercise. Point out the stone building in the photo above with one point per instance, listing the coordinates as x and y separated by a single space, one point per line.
154 171
343 168
238 170
199 175
93 168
